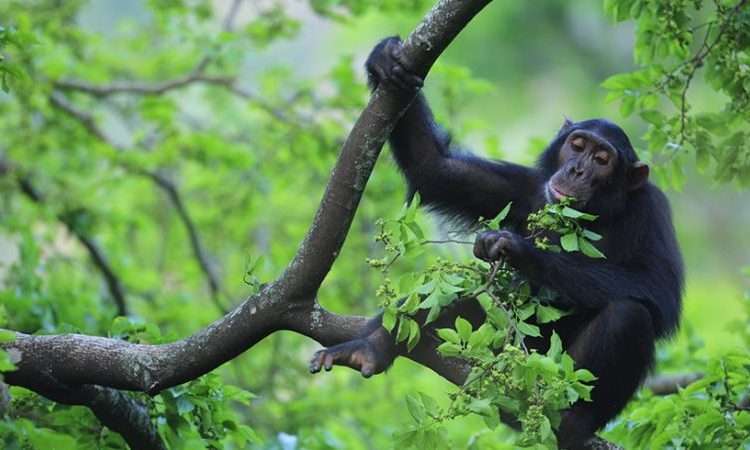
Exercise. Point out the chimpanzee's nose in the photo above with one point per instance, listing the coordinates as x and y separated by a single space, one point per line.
576 169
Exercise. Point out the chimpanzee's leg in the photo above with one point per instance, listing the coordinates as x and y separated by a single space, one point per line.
375 351
616 345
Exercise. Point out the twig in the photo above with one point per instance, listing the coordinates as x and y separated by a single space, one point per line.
114 285
87 120
163 183
698 60
448 241
195 76
195 242
231 15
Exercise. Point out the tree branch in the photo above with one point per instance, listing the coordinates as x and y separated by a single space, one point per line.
166 185
286 304
197 75
76 359
98 258
141 88
323 242
199 251
116 410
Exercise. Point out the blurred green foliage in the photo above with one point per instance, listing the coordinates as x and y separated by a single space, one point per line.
244 118
674 41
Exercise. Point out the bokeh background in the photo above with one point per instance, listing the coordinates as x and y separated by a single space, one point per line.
250 162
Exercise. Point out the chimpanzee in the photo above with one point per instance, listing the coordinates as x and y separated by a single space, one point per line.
619 305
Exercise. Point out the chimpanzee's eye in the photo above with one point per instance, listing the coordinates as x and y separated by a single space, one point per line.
601 158
578 144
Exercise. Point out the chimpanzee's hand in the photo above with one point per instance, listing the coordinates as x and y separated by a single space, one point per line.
493 245
385 64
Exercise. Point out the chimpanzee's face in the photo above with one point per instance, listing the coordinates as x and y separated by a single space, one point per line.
586 162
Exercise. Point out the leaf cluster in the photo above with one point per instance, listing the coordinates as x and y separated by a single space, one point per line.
507 377
677 40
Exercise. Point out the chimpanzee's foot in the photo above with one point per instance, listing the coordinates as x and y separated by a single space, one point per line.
369 355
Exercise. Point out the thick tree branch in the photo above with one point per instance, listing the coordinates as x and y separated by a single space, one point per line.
116 410
323 242
286 304
76 359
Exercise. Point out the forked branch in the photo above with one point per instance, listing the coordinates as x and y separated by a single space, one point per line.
47 364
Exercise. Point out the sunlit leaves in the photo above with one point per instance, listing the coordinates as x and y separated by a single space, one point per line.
271 24
703 415
13 44
506 375
677 42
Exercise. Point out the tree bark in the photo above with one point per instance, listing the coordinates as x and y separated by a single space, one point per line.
78 369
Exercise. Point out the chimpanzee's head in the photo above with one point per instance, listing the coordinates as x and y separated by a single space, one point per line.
593 162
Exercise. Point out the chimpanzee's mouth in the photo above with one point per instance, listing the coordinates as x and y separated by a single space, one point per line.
555 192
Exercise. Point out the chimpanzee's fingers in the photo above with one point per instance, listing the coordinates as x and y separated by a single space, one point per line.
399 77
393 47
405 79
381 72
480 250
498 249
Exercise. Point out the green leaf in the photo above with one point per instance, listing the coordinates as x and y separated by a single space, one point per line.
528 329
591 235
416 408
389 319
432 315
449 349
463 327
414 335
410 305
575 214
449 335
494 224
483 336
481 406
546 314
429 403
569 242
584 375
588 249
555 346
6 365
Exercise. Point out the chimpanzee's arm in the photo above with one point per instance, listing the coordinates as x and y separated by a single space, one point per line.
458 184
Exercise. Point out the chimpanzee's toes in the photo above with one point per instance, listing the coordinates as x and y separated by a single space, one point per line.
357 354
316 363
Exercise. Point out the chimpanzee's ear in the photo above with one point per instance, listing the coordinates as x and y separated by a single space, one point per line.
637 175
565 126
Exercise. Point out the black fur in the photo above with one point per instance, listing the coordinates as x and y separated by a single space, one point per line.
621 305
